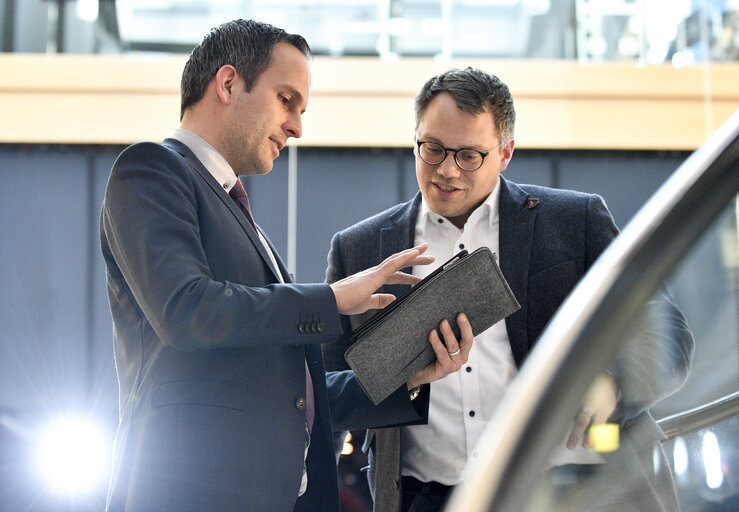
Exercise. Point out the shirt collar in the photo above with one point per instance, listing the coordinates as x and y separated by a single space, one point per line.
208 156
487 211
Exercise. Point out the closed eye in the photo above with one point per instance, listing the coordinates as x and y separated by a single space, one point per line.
468 155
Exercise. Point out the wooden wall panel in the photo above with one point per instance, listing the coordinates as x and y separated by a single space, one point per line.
366 102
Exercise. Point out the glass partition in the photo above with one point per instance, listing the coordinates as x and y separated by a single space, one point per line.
647 31
697 469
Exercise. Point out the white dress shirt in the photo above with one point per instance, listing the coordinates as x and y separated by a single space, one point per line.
461 403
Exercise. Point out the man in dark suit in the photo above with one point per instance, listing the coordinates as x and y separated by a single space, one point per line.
546 239
224 401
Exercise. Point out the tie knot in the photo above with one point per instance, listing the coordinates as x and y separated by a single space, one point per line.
237 191
238 194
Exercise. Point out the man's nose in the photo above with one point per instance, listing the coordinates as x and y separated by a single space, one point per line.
294 126
448 168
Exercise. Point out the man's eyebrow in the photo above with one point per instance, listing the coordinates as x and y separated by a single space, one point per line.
437 140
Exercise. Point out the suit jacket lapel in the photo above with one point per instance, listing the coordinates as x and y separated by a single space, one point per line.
515 242
198 167
287 277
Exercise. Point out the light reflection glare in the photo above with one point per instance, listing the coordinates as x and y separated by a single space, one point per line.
656 460
348 448
712 461
73 455
680 456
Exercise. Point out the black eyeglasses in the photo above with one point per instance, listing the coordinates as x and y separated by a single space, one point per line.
466 159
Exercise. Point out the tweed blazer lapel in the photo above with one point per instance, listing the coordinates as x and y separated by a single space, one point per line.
201 170
398 235
515 239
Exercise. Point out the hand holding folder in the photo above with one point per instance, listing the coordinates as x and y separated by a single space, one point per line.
393 345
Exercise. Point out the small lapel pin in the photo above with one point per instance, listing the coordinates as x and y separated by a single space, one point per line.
531 202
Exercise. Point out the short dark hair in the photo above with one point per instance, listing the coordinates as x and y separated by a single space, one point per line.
245 44
475 92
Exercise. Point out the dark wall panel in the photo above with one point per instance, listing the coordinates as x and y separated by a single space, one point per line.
336 189
625 180
409 185
44 278
268 200
56 332
531 167
103 382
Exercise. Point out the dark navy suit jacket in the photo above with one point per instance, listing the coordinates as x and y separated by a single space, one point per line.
548 239
210 351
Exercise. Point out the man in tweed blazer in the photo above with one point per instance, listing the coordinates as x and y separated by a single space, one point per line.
546 240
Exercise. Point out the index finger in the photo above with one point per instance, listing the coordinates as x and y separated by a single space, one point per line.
582 422
407 258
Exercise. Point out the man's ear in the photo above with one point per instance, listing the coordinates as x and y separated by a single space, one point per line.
225 81
506 153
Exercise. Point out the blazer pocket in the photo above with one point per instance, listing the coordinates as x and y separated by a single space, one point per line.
562 276
547 289
208 393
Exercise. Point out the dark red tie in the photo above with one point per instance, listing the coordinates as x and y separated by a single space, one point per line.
238 194
310 409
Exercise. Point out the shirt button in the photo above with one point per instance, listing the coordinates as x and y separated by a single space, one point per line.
468 369
461 246
472 414
228 292
440 221
300 403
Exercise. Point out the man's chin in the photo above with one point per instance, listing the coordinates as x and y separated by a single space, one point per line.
265 167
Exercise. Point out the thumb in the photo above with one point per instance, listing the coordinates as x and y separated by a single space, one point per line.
376 301
381 300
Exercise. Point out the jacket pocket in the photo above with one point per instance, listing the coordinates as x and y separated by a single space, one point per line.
208 393
550 286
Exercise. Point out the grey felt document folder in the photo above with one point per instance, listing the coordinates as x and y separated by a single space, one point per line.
393 344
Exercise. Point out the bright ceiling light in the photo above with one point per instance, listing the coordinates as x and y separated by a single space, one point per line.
87 9
73 456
